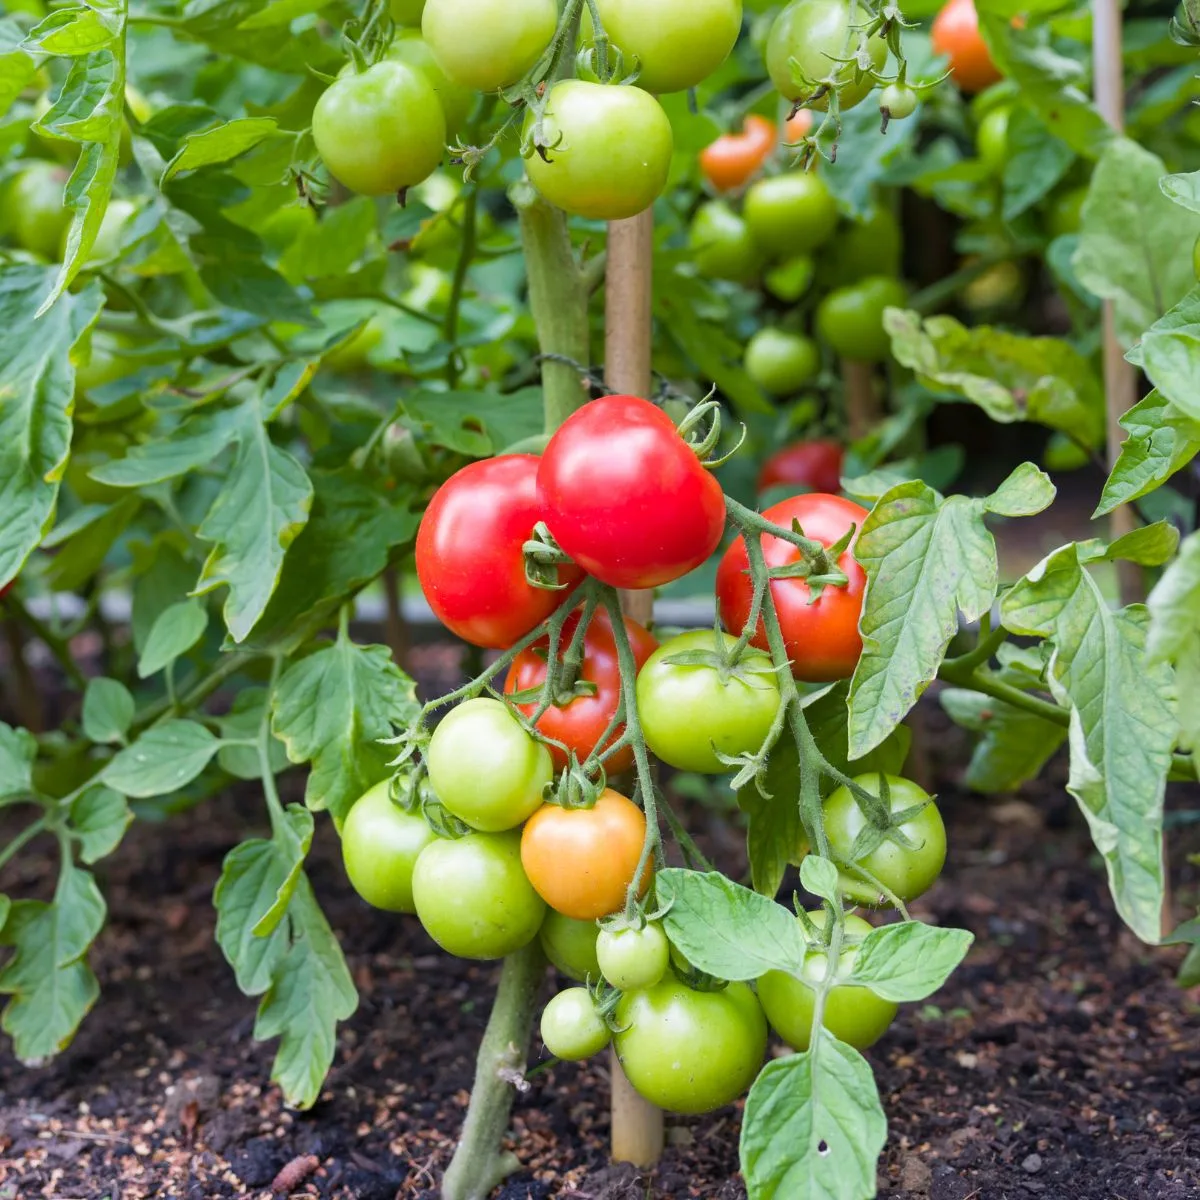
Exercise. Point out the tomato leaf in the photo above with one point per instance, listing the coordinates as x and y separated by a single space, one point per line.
476 423
17 68
910 960
1170 352
331 709
1015 745
18 749
1175 631
244 721
219 145
254 877
162 760
107 710
727 930
1162 439
51 986
193 444
1037 161
1123 724
175 632
813 1127
820 877
99 818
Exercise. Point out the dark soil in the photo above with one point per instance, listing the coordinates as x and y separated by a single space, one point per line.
1060 1063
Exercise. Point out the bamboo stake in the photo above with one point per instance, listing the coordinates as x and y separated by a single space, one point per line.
862 409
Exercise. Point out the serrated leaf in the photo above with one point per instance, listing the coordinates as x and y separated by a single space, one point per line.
1161 440
292 837
194 444
18 749
476 423
71 32
1015 745
38 393
164 759
813 1127
175 632
99 818
820 877
1025 493
1122 724
1129 244
1170 352
253 876
219 145
1174 637
1147 545
330 710
927 559
909 961
726 930
244 720
1037 160
17 68
107 710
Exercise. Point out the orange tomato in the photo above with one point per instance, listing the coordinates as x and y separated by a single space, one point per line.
730 161
798 127
956 34
581 861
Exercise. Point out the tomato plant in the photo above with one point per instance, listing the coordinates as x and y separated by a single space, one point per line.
815 465
380 846
850 319
571 1028
35 199
721 245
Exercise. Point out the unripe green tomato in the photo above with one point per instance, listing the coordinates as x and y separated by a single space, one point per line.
790 214
35 199
409 47
571 1027
406 12
571 945
490 46
790 280
354 355
1065 214
380 846
851 318
898 100
853 1014
633 958
871 247
991 140
781 363
721 245
1000 286
485 768
380 130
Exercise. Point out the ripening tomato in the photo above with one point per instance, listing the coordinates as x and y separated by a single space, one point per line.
798 127
677 44
609 150
409 47
381 130
571 1027
721 245
626 497
815 465
818 35
380 846
581 723
821 635
470 558
853 1014
473 898
571 945
955 33
781 362
689 1051
850 319
581 861
791 214
488 44
731 161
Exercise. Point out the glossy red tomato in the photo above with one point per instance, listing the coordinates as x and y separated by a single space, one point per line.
581 724
626 497
730 161
816 465
821 635
469 552
955 32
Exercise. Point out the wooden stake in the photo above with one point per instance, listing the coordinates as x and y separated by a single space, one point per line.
637 1126
862 408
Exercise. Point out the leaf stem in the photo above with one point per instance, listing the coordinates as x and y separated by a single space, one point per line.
22 839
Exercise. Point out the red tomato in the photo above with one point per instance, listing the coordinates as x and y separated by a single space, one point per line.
581 723
955 32
816 464
733 158
821 636
469 553
626 497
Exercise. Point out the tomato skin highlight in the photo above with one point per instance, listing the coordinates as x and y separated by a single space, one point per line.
816 465
581 861
571 945
473 898
625 496
732 160
380 846
791 214
571 1028
381 130
955 33
488 44
688 713
613 152
822 638
689 1051
581 723
469 553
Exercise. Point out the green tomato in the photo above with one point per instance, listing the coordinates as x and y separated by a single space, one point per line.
908 873
571 946
898 100
790 280
571 1027
853 1014
380 846
633 958
105 364
689 1051
790 214
354 354
780 362
488 44
871 247
410 48
485 768
380 131
610 150
991 140
1000 286
817 34
406 12
1065 214
677 43
35 199
851 318
473 897
721 245
689 712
